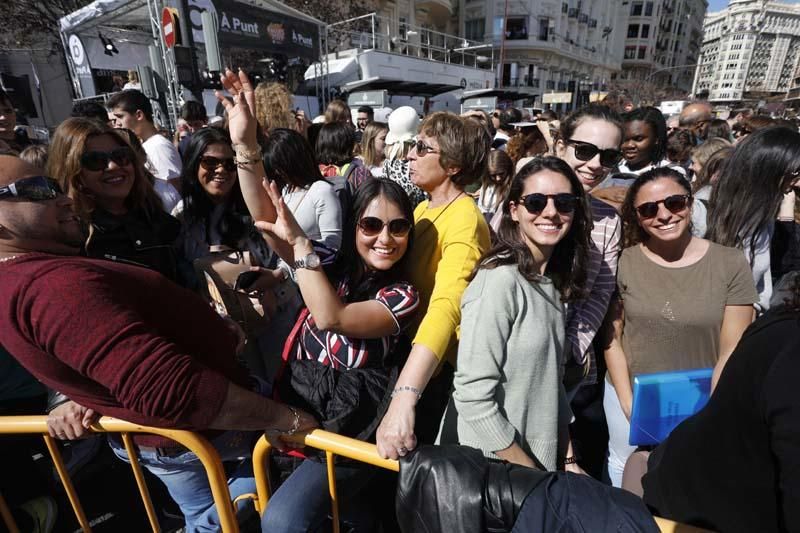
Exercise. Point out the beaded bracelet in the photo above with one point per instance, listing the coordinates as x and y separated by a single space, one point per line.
407 388
571 460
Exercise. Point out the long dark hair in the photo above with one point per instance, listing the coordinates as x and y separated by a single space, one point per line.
348 265
746 197
567 265
289 159
632 232
235 223
655 119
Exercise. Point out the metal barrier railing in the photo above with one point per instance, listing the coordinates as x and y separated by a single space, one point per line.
331 443
200 446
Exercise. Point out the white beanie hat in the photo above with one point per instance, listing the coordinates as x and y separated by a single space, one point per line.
403 125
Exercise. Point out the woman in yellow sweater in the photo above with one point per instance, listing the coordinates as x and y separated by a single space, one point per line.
450 236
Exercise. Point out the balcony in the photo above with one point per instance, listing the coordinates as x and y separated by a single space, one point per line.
439 11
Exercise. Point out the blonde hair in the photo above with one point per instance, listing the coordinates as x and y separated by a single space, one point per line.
338 111
371 156
273 106
64 164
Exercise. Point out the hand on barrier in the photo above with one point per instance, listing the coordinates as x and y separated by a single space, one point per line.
70 421
298 422
395 437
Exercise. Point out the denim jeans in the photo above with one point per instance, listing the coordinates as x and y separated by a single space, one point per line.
187 482
302 503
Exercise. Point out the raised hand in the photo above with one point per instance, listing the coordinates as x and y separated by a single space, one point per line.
242 121
285 226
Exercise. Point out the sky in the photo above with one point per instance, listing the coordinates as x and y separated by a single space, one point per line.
716 5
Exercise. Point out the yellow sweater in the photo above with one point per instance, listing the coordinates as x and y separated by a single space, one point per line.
448 241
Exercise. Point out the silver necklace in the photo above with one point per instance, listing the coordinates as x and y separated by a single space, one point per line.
4 259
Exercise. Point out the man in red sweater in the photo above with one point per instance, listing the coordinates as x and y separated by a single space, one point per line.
125 341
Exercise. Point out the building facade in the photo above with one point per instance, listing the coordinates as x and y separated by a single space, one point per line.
751 50
544 47
662 42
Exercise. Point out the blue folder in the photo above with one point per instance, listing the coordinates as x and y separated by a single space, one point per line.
662 401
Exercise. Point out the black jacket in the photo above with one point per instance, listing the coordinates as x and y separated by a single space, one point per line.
135 239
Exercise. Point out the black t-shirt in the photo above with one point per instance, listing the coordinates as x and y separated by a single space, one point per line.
735 465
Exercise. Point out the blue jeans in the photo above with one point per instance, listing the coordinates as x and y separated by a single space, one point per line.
302 503
187 482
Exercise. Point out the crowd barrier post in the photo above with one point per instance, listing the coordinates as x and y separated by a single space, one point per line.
217 480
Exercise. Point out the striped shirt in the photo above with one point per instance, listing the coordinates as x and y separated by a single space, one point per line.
585 317
343 352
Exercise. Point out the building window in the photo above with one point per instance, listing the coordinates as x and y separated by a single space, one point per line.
645 31
636 9
630 52
544 29
633 31
517 28
474 29
551 84
648 9
642 52
564 7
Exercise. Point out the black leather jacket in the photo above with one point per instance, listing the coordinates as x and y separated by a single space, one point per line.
135 239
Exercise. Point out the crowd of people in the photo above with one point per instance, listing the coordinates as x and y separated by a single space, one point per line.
490 280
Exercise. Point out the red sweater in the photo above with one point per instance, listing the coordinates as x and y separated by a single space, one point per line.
120 339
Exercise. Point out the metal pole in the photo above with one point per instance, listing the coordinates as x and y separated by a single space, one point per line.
503 45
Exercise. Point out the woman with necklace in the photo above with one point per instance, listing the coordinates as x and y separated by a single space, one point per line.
450 236
684 302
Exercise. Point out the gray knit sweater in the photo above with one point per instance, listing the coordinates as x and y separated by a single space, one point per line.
510 364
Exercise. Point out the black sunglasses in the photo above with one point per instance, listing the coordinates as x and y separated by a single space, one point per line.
35 189
423 149
371 226
211 163
675 203
96 161
536 202
586 151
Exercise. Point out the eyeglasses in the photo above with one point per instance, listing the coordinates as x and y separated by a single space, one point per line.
96 161
371 226
675 203
586 151
211 163
536 202
423 149
35 189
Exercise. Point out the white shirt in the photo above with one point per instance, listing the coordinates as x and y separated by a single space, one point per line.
162 157
169 195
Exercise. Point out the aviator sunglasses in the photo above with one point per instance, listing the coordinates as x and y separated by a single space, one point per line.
422 148
96 161
675 203
586 151
35 189
211 163
536 202
371 226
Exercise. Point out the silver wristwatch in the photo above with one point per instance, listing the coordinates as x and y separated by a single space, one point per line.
311 261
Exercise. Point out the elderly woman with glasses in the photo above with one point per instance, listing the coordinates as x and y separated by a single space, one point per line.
108 184
691 317
450 236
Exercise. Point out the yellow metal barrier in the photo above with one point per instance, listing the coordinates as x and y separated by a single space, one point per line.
200 446
364 452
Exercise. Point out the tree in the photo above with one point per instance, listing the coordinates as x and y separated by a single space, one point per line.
35 23
330 11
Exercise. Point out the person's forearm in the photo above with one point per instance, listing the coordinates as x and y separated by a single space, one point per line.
786 210
620 376
246 410
515 454
417 372
318 294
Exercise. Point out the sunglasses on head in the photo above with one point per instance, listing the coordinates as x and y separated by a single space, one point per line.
422 148
586 151
371 226
96 161
35 189
536 202
211 163
675 203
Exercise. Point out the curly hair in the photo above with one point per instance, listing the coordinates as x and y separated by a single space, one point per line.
64 163
273 106
633 233
567 264
520 145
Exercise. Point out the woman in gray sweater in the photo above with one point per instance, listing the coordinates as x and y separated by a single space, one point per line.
509 400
